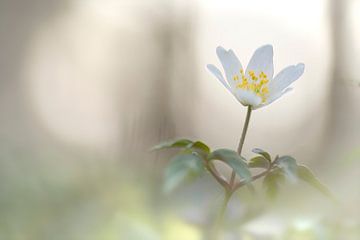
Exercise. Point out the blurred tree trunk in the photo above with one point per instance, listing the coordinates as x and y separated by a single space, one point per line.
18 21
170 89
338 99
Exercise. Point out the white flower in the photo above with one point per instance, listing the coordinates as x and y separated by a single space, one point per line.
256 87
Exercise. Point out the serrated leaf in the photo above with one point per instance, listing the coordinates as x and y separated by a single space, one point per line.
235 161
272 182
265 154
305 174
259 162
181 168
289 166
199 147
178 143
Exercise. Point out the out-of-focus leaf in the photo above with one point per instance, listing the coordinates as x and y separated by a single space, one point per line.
181 168
178 143
235 161
265 154
289 166
272 181
305 174
259 162
200 147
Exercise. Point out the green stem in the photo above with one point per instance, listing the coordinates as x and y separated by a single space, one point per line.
241 143
231 186
219 222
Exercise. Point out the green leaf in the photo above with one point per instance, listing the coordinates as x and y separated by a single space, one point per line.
235 161
272 182
181 168
289 166
178 143
259 162
200 147
305 174
265 154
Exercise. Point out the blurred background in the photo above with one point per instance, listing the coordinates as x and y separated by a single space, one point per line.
88 86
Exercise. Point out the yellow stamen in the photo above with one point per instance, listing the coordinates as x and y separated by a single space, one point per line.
258 84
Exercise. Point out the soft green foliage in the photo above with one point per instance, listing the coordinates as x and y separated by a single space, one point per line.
199 147
235 161
272 181
195 157
305 174
196 146
288 165
181 168
259 162
263 153
187 164
282 168
179 143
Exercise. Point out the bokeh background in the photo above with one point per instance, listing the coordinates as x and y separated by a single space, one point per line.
88 86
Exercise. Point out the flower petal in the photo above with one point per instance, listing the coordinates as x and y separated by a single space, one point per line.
262 60
284 78
230 63
214 70
247 98
275 97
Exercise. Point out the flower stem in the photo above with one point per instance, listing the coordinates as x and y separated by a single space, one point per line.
232 186
220 218
241 143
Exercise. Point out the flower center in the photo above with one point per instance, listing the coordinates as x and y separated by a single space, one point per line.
257 83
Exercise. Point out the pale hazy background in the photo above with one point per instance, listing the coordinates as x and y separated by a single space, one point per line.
88 86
